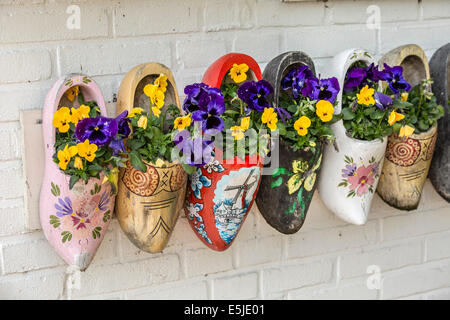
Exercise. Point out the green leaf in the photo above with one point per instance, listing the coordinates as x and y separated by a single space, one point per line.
189 169
73 180
136 161
276 183
347 114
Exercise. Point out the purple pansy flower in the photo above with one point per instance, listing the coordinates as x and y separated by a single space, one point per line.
255 94
196 96
373 74
382 101
196 152
323 89
349 170
354 78
103 202
394 77
116 143
210 115
296 79
100 130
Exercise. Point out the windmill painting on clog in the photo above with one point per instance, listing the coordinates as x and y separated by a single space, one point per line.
226 173
80 181
440 165
305 105
152 186
351 167
410 147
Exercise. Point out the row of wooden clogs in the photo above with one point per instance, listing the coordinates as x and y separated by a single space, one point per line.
147 205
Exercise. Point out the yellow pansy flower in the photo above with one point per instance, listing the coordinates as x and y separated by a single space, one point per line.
237 132
245 123
142 122
65 155
238 72
181 123
62 119
302 125
161 83
394 117
87 150
365 96
156 111
270 118
324 110
134 112
80 113
404 96
156 96
72 93
78 163
405 131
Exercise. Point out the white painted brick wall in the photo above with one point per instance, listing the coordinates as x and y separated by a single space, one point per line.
327 259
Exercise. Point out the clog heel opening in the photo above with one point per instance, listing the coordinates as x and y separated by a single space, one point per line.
413 70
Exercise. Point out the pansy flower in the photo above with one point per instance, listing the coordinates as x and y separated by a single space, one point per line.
323 89
210 115
196 96
181 123
324 110
87 150
405 131
238 72
62 119
382 101
255 94
99 131
81 113
365 96
65 155
296 80
269 117
394 117
354 78
394 77
302 125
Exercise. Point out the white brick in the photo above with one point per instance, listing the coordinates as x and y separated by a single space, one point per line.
108 278
356 11
106 58
220 15
386 258
311 243
192 290
327 41
49 22
9 136
438 246
259 251
210 49
11 177
277 13
351 291
24 65
242 286
155 17
29 252
108 251
423 35
417 223
257 47
12 218
434 9
407 282
34 285
286 277
18 97
205 261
